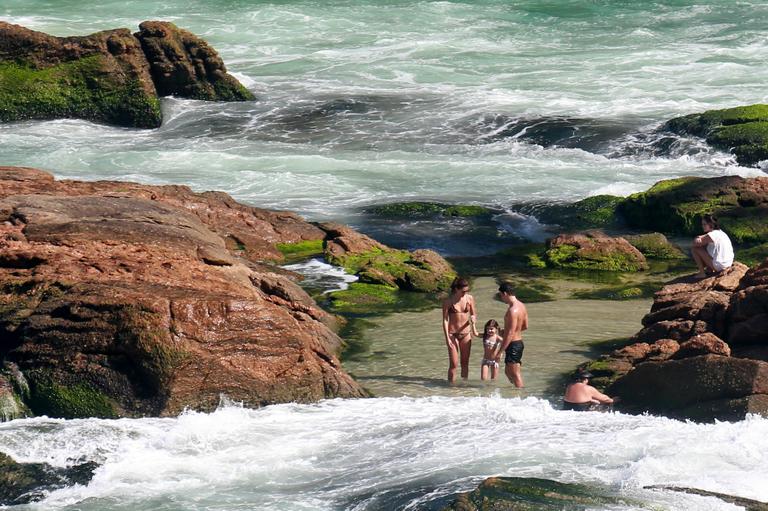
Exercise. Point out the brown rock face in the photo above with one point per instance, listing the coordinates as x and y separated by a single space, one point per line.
672 386
120 299
682 351
184 65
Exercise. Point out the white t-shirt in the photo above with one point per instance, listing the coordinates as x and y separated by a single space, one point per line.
720 249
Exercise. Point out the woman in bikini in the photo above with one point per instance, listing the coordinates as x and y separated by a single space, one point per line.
459 317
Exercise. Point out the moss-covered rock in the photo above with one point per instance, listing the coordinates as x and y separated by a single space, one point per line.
754 255
300 250
375 263
106 77
677 205
743 130
21 483
655 246
68 401
428 210
532 494
593 251
594 212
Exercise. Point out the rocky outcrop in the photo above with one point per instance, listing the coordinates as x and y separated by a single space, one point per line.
375 263
184 65
21 483
114 76
126 300
702 354
742 130
593 250
676 206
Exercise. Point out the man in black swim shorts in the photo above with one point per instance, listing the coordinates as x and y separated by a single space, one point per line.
515 322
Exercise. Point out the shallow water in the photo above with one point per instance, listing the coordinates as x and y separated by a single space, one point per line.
408 357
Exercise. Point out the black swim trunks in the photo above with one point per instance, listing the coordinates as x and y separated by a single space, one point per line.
514 353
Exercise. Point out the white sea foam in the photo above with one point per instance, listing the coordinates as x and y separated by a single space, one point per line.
318 273
357 454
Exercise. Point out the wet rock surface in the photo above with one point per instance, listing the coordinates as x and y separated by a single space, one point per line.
701 353
126 300
113 76
21 483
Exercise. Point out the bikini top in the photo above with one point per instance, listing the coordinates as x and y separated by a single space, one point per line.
452 309
491 341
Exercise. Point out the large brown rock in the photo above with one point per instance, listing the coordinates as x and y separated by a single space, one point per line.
114 76
702 381
682 349
184 65
114 303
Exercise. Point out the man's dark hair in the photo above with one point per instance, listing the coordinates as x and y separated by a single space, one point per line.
711 220
507 288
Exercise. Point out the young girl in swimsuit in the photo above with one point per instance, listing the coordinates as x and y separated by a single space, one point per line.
459 317
491 341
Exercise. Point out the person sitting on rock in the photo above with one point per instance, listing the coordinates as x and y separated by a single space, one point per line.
580 396
712 251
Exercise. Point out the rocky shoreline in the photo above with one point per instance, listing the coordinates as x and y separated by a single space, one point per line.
120 299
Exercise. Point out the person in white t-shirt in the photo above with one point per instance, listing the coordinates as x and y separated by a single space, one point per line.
712 251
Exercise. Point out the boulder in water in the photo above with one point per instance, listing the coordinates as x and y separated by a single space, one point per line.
742 130
113 76
21 483
593 250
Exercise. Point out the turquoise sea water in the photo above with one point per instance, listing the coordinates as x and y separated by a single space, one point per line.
363 102
366 102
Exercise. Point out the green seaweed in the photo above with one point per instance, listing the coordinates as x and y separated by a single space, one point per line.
428 209
655 246
78 89
569 256
300 250
75 401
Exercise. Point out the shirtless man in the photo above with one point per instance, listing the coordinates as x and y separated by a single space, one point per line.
583 397
459 318
515 321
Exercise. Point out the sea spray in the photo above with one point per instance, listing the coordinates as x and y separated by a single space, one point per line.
358 454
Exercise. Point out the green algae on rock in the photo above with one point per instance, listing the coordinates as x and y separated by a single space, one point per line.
532 494
655 246
375 263
743 130
21 483
300 250
106 77
594 212
429 209
677 205
593 251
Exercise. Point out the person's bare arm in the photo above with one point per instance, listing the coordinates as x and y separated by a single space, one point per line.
473 316
702 241
599 396
445 323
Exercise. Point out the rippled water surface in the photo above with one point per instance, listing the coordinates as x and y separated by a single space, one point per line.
366 102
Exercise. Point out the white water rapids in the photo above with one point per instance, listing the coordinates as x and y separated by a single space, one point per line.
386 453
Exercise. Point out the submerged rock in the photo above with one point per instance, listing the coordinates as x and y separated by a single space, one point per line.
113 76
742 130
531 494
21 483
119 299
